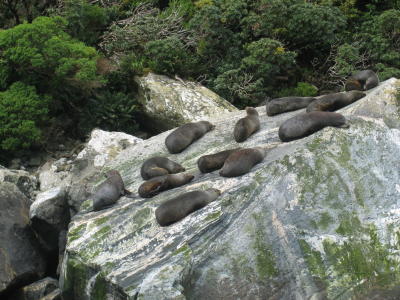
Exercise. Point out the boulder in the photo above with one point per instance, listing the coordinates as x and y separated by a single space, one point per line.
21 261
76 176
52 174
26 182
54 295
49 216
169 103
36 290
103 146
319 218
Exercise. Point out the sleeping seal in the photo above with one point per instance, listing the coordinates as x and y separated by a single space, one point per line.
307 123
179 139
158 184
177 208
241 161
158 165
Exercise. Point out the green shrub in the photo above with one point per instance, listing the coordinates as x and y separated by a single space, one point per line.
303 89
86 21
239 87
313 28
113 111
167 56
380 39
346 61
44 55
389 26
22 111
385 72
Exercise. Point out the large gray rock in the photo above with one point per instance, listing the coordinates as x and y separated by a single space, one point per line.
36 290
49 216
26 182
170 103
76 176
103 146
318 219
54 295
21 261
51 176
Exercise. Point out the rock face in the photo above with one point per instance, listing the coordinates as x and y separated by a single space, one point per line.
104 145
36 290
20 259
49 216
75 176
319 218
25 182
170 103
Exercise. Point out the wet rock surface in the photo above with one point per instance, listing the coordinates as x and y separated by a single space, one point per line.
319 218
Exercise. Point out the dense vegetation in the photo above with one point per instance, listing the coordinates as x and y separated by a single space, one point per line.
72 62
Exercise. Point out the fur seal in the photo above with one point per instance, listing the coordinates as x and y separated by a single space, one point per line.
362 81
285 104
212 162
241 161
158 184
335 101
177 208
109 191
246 126
305 124
158 166
179 139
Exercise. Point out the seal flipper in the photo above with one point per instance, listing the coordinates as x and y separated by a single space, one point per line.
345 125
128 194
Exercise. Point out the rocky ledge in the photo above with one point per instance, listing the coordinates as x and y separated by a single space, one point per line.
318 219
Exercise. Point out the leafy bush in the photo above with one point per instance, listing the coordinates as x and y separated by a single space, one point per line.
22 111
167 56
111 111
389 26
86 21
239 87
303 89
313 28
42 54
268 58
380 38
257 75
